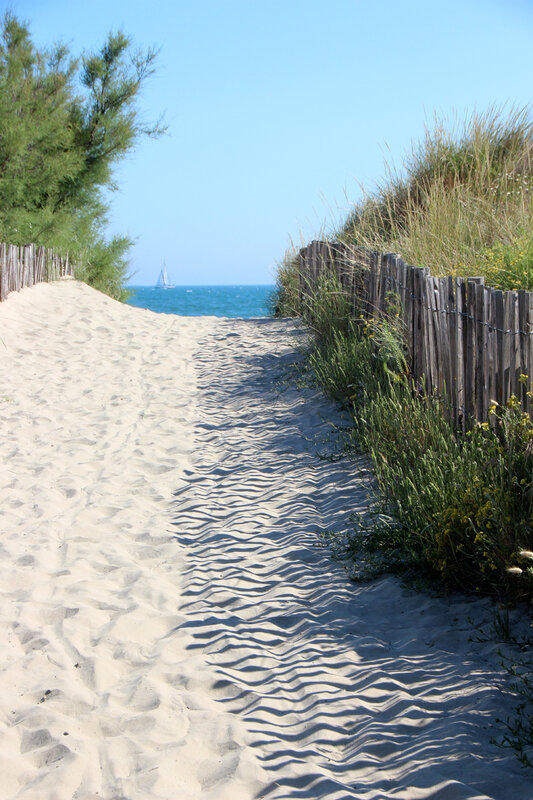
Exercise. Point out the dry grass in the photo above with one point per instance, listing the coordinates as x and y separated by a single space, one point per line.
464 194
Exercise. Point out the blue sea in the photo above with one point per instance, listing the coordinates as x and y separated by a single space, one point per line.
196 301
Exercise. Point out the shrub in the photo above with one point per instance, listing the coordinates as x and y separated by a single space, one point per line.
463 506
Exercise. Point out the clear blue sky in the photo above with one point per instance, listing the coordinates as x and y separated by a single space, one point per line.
279 109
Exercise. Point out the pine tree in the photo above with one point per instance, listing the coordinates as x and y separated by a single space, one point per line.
60 139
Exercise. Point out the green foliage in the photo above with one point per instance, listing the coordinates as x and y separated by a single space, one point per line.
327 311
286 297
105 267
457 507
387 332
59 143
343 365
462 507
107 124
353 359
509 266
519 734
36 157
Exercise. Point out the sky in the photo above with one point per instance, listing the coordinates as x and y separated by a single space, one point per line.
280 112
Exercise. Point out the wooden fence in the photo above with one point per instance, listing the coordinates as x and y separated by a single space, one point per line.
26 265
468 340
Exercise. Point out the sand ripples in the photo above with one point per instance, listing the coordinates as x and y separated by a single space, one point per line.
346 692
172 628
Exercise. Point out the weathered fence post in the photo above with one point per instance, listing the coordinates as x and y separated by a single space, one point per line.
4 277
464 338
23 266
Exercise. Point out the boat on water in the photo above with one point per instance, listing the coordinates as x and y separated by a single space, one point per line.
164 282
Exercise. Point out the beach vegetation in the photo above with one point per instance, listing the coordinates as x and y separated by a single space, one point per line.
458 506
285 301
519 728
454 505
453 509
65 124
460 203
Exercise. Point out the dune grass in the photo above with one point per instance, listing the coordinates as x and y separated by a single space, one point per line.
285 300
461 204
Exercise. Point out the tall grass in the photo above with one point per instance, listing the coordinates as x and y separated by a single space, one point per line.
462 203
285 301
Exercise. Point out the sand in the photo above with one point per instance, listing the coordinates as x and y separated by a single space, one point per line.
171 624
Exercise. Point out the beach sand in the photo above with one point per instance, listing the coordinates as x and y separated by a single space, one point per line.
171 625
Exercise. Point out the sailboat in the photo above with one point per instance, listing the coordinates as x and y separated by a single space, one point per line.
163 282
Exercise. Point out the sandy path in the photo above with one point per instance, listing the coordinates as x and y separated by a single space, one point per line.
171 627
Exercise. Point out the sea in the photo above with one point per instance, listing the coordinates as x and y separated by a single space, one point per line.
197 301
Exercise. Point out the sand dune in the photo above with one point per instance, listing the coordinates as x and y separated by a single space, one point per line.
171 625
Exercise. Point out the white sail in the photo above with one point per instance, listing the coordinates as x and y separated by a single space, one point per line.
164 282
